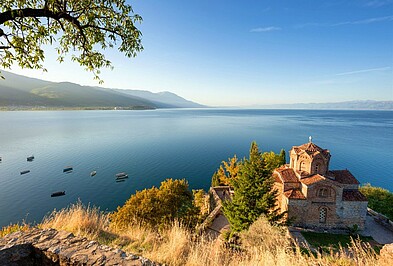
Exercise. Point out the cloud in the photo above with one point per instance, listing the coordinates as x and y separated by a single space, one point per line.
265 29
364 21
353 22
363 71
377 3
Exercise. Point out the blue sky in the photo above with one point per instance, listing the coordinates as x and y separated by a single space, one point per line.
242 53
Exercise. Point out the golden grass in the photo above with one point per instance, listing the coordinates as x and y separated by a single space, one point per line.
262 244
14 228
81 220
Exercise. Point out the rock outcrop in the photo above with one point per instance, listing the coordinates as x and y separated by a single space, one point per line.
51 247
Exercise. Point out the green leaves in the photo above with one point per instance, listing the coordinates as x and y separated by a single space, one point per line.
253 191
157 206
379 199
81 28
227 172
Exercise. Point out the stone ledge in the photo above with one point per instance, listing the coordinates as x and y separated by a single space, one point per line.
52 247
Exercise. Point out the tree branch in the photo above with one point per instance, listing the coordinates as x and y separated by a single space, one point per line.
37 13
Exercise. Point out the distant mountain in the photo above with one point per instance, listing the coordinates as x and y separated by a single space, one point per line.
20 92
163 99
352 105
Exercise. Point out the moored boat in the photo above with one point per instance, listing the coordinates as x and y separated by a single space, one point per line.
30 158
58 194
24 172
68 169
121 175
93 173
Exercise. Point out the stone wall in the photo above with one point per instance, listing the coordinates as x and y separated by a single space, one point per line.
51 247
354 212
381 219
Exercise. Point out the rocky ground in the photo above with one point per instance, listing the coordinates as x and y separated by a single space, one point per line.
51 247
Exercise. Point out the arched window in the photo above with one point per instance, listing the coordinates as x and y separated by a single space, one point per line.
316 168
323 192
302 166
322 215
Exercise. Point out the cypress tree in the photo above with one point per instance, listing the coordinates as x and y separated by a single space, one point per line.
253 193
282 157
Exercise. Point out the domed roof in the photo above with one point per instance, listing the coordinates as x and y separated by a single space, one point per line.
311 149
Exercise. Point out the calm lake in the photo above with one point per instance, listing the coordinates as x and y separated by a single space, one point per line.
168 143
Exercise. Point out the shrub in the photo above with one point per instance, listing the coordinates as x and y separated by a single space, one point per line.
157 206
379 199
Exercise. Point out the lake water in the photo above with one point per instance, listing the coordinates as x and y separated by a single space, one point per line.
157 144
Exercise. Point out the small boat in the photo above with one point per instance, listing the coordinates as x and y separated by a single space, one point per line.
30 158
93 173
121 175
24 172
58 194
68 169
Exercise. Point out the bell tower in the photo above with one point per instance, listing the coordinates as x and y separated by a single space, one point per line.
309 159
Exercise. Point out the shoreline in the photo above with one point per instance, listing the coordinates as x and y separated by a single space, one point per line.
110 108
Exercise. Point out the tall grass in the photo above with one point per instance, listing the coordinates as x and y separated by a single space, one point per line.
81 220
262 244
14 228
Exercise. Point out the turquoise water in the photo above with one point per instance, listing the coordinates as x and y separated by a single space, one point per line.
157 144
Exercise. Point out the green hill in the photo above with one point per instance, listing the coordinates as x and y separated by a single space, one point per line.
20 92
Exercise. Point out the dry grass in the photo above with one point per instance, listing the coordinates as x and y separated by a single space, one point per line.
262 244
81 220
14 228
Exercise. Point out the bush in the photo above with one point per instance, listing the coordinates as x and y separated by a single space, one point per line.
157 206
379 199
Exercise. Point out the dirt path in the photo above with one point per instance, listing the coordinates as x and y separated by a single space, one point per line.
380 233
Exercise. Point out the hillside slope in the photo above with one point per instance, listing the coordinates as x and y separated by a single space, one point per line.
18 91
163 99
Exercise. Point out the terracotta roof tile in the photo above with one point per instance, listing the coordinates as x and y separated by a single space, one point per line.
353 195
277 178
312 179
310 148
343 177
294 194
288 175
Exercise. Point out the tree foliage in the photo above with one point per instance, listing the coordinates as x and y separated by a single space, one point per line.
274 160
379 199
227 172
83 28
157 206
201 201
253 193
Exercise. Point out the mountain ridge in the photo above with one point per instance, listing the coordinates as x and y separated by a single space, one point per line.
20 92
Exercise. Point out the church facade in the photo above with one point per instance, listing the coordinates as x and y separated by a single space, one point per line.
315 196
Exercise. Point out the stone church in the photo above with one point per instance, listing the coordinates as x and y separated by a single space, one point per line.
315 196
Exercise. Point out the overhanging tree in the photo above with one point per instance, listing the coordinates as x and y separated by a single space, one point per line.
82 27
